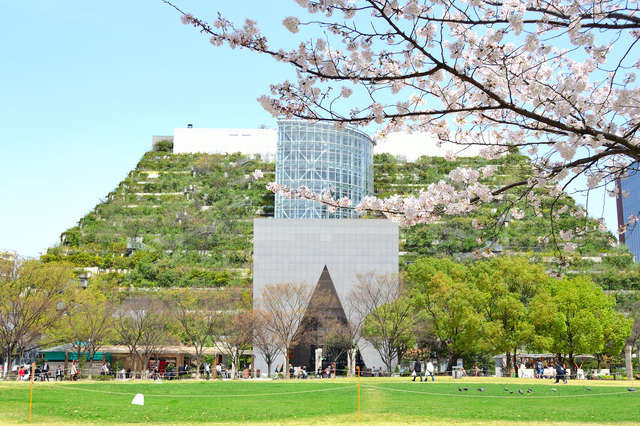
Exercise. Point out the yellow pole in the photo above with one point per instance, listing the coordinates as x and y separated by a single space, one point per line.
33 366
358 368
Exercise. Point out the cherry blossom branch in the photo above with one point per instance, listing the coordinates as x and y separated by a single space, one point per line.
479 72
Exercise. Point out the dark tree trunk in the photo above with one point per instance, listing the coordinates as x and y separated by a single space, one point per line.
452 361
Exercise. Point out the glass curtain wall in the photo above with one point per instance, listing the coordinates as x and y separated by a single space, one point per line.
319 156
631 205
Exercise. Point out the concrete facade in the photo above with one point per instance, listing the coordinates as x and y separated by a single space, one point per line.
297 250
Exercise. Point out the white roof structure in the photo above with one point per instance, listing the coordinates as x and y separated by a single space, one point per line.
415 145
219 141
265 141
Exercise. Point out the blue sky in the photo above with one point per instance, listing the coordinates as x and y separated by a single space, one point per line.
84 85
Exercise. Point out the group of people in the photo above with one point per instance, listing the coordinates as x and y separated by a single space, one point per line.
105 369
302 372
220 372
171 373
44 373
377 373
326 373
417 370
546 371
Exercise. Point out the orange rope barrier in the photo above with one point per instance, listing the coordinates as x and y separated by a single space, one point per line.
33 366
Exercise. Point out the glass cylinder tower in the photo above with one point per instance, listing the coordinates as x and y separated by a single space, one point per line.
319 156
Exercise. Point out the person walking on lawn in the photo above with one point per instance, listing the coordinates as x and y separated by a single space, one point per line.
429 370
46 370
560 373
417 368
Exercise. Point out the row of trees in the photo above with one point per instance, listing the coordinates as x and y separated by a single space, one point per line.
41 304
494 306
502 305
506 304
30 298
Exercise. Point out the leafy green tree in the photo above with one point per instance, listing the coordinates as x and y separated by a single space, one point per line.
389 329
444 293
33 298
574 316
631 306
200 315
388 315
87 324
507 285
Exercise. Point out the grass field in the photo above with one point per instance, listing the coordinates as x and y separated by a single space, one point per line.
382 401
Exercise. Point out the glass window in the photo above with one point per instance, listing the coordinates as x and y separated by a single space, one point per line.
318 156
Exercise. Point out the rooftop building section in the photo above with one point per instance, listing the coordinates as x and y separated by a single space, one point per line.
191 140
7 256
7 263
156 139
219 141
412 146
319 157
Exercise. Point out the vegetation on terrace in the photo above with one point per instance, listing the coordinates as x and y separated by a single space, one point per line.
182 220
176 220
457 238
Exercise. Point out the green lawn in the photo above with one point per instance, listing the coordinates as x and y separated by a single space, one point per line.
383 401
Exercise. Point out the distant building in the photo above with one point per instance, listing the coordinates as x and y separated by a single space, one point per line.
7 263
630 185
299 244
